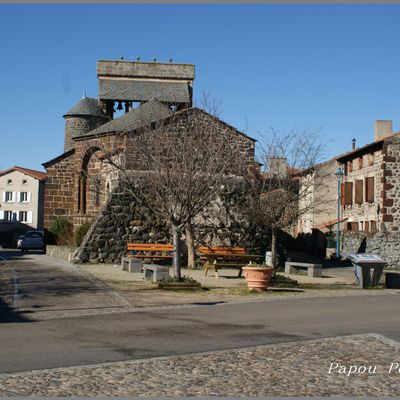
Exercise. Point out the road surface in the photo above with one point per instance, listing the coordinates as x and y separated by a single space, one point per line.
27 345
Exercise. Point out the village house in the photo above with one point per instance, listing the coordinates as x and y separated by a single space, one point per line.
22 197
370 195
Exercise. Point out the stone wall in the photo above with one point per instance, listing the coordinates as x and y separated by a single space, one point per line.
63 252
121 220
59 189
386 245
391 185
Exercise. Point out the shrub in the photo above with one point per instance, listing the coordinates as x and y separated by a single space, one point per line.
81 232
62 230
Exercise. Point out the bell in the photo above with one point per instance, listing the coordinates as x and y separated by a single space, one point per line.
119 106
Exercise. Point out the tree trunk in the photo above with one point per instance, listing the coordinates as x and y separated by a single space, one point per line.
190 245
274 250
176 232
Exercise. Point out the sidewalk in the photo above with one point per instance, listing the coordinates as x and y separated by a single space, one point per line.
287 369
227 288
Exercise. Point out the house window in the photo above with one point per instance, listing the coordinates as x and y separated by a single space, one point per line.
350 166
23 216
24 182
8 197
23 197
369 189
97 192
8 216
360 162
352 226
359 191
372 226
371 159
347 193
9 181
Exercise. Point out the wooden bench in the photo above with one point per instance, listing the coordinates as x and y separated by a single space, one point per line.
152 251
313 270
218 257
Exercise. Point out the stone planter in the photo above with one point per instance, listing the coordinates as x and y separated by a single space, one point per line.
257 278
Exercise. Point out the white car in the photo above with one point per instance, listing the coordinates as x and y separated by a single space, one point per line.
31 240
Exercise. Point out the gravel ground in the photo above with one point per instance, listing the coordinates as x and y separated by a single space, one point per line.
290 369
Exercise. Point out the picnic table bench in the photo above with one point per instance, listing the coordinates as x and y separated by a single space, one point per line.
153 251
218 257
313 270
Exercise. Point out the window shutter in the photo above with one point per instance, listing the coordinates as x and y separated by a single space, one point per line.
369 189
14 196
373 226
18 197
342 195
29 219
4 197
359 192
366 226
354 226
348 188
29 197
1 214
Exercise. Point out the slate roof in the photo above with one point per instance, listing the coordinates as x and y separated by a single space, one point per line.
41 176
135 90
148 112
86 106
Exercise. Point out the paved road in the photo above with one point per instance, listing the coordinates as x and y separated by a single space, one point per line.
42 283
134 335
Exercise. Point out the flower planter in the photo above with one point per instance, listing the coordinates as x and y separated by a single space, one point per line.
257 278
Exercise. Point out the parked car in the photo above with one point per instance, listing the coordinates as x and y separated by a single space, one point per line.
31 240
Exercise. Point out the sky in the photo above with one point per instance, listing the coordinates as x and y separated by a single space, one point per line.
332 69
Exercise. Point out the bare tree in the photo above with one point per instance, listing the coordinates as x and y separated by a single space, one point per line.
176 166
285 188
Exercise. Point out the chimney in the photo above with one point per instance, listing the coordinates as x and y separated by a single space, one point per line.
353 144
277 166
383 129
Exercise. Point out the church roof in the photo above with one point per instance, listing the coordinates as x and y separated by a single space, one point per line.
148 112
58 158
144 90
86 106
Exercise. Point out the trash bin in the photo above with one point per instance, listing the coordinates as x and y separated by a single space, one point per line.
368 269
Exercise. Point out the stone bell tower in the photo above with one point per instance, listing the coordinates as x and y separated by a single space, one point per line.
122 83
85 116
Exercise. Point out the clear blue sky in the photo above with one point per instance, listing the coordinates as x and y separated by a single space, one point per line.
333 67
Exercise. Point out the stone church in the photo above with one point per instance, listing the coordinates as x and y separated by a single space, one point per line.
132 95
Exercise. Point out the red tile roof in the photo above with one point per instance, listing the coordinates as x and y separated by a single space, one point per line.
31 172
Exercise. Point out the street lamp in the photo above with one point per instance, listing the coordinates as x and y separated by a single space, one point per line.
339 176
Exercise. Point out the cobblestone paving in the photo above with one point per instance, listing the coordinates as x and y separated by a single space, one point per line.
290 369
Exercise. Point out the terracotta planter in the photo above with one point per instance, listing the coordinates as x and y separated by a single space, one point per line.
257 278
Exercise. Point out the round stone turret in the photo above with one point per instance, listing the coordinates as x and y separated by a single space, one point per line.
85 116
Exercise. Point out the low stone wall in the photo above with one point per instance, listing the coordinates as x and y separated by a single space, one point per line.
385 245
121 220
63 252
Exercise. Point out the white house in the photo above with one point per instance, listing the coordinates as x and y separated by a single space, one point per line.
22 197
